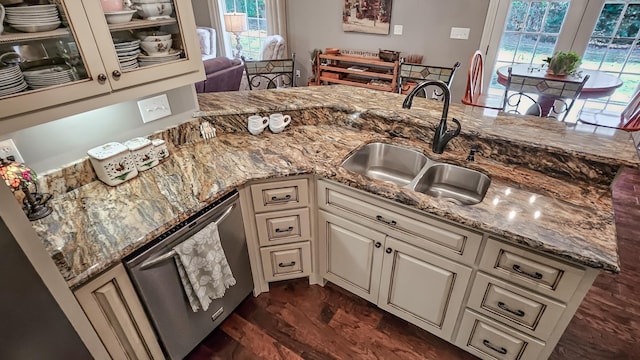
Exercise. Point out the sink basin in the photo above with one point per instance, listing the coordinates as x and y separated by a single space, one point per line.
458 184
386 162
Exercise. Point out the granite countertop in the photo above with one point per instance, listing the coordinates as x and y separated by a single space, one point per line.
549 186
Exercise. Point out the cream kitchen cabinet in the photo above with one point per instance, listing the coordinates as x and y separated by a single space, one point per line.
412 283
86 46
113 307
279 230
493 298
401 260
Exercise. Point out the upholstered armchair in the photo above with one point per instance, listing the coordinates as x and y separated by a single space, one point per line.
207 39
273 48
223 74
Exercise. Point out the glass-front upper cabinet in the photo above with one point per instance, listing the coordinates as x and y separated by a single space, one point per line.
56 52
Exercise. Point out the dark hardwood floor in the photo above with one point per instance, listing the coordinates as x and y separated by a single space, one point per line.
298 321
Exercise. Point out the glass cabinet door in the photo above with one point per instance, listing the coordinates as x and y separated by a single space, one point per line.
144 40
43 49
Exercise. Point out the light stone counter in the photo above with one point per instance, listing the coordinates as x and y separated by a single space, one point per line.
549 185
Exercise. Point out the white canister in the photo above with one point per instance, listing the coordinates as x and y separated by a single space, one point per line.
112 163
162 152
143 153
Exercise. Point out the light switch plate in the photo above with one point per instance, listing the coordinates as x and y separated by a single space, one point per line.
459 33
8 148
397 29
154 108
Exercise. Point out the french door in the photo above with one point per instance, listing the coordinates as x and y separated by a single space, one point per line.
529 31
604 32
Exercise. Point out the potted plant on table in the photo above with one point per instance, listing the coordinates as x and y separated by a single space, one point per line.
563 64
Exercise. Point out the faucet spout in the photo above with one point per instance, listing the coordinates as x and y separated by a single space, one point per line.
442 136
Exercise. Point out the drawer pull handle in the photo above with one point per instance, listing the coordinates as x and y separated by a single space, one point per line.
289 229
499 350
389 250
504 307
285 198
289 264
536 275
388 222
377 244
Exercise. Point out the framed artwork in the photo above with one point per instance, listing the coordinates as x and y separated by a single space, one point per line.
367 16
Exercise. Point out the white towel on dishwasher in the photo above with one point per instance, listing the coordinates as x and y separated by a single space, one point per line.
203 267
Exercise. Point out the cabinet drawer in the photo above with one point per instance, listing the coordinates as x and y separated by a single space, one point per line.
525 268
289 261
283 227
490 340
528 312
280 195
441 237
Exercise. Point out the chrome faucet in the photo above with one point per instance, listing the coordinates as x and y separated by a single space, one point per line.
441 136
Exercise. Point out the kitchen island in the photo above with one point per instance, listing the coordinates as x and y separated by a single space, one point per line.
549 191
566 170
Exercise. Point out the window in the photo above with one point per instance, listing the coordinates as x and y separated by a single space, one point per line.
252 39
606 33
614 47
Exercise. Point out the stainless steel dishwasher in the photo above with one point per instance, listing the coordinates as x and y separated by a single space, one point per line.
155 276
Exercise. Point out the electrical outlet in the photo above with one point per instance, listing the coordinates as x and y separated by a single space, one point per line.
297 73
397 29
154 108
459 33
8 148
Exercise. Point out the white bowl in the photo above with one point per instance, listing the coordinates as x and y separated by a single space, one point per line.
119 17
156 47
153 36
153 9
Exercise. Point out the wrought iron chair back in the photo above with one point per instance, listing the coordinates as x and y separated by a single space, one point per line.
524 92
418 73
270 74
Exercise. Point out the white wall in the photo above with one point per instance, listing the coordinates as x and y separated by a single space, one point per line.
56 143
427 25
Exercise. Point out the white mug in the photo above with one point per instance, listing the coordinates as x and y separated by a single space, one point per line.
277 122
256 124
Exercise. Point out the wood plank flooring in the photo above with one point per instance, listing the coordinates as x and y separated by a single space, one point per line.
298 321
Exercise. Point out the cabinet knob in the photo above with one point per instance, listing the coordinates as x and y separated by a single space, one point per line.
378 244
116 74
102 78
389 250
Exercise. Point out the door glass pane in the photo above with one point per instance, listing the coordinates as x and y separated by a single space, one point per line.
531 33
38 50
617 55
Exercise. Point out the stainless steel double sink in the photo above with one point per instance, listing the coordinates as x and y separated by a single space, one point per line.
413 170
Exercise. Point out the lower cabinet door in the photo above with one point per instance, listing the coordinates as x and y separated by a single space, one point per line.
489 339
350 255
113 307
422 288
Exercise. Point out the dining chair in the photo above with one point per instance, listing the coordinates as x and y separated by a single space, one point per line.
475 80
530 95
410 75
628 120
270 74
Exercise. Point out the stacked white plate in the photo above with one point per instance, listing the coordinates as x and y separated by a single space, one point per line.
48 75
34 18
171 55
128 52
11 80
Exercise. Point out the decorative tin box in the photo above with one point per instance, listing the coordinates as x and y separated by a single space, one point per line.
144 155
160 148
113 163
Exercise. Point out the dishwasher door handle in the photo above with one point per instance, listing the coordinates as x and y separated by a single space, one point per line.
158 259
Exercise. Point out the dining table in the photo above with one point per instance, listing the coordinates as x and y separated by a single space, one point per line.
600 83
